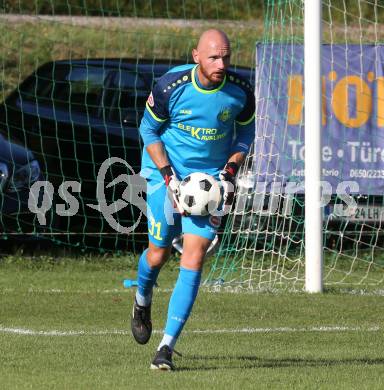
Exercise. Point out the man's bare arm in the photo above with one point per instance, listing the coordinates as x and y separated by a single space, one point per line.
158 154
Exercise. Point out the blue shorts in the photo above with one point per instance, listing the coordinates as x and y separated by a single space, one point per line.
165 222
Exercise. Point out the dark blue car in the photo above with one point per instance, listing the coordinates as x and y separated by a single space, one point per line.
19 169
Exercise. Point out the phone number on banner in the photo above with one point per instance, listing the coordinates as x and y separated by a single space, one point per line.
368 173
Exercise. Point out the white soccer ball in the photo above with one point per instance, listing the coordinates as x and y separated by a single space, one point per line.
200 194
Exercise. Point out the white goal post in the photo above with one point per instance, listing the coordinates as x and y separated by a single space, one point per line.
312 107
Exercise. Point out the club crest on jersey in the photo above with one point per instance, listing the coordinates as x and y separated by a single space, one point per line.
224 115
150 100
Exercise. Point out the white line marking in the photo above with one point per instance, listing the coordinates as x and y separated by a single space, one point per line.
357 292
32 332
61 291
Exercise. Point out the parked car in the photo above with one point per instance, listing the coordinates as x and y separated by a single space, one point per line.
19 169
73 115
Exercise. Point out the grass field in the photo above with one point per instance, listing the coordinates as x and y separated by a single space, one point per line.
64 324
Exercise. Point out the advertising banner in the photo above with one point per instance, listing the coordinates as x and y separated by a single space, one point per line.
352 115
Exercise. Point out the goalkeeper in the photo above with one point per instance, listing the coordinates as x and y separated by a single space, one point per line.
188 126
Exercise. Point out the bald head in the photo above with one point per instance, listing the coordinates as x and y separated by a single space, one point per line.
213 38
212 54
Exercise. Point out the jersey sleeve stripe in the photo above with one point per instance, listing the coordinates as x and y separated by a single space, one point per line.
154 116
247 121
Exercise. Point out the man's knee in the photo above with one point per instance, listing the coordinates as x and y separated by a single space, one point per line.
194 251
157 256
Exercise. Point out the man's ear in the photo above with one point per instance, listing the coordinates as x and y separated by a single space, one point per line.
195 55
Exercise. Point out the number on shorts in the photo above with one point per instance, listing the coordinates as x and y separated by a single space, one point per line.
155 229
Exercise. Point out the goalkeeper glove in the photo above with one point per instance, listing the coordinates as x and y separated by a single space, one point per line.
173 185
228 181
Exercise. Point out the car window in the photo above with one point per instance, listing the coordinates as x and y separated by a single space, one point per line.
75 88
125 97
81 89
39 86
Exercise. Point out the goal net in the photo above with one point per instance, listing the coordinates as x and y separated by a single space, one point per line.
263 244
74 79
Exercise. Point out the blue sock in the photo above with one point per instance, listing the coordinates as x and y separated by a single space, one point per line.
182 300
146 279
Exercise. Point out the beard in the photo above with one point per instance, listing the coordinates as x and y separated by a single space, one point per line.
215 77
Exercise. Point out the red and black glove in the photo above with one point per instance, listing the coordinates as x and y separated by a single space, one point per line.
228 181
173 185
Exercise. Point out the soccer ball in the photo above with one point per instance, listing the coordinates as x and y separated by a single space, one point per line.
200 194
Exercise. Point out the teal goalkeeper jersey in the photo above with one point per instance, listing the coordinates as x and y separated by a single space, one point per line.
197 125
